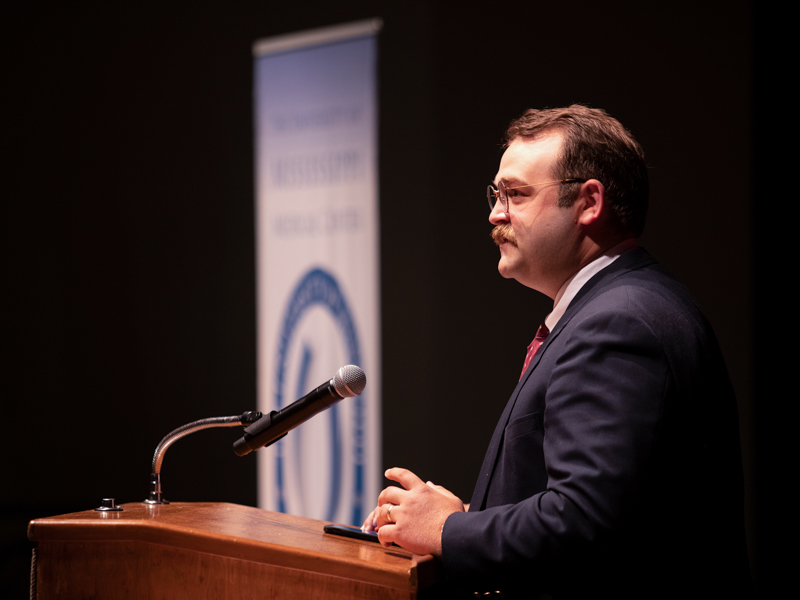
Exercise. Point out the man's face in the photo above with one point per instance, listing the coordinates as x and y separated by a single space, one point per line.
538 240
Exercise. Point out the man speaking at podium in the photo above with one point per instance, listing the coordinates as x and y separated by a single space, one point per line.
615 469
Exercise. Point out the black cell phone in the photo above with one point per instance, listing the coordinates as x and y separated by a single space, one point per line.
352 532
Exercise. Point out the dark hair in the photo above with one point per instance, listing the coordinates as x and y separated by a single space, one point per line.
595 146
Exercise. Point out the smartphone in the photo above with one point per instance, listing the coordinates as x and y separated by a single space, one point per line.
352 532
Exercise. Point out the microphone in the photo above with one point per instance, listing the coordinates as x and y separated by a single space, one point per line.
349 381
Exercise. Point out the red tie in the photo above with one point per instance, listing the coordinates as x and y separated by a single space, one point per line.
538 340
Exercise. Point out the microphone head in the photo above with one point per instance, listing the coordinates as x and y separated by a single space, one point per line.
349 381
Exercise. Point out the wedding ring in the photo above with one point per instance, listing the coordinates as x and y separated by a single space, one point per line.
389 514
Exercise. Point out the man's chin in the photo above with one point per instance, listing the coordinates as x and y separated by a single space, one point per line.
505 269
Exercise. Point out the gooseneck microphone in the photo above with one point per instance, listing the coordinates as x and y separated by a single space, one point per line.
349 381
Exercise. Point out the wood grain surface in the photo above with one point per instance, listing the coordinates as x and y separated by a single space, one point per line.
214 550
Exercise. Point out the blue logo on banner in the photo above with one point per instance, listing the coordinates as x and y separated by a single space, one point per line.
319 288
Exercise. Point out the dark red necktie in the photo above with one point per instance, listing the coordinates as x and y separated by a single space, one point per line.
538 340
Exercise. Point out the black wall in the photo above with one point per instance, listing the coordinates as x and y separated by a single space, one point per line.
129 295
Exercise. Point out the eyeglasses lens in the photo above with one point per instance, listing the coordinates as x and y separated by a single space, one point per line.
496 194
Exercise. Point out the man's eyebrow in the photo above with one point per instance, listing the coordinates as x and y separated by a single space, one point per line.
510 182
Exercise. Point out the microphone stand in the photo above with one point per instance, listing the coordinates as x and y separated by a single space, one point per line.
156 495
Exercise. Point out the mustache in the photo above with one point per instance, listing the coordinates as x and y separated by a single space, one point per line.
504 233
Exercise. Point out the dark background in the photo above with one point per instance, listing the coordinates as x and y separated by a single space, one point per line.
129 271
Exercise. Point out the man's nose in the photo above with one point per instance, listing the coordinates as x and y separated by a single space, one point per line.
498 216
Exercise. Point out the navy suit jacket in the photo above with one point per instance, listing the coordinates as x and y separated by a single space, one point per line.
615 466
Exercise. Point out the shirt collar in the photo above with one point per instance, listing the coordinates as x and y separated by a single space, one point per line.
573 285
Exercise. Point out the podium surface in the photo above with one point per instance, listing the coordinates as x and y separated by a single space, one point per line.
214 550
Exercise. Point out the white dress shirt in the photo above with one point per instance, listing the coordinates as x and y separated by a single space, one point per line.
573 285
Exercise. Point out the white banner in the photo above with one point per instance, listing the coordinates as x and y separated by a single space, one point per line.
317 259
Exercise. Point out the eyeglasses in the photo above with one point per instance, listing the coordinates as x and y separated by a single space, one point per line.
493 194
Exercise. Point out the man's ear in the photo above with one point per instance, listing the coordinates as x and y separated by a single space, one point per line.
591 202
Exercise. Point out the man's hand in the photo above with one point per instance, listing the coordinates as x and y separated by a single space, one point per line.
412 516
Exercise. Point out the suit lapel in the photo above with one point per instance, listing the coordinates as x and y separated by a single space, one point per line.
492 452
634 259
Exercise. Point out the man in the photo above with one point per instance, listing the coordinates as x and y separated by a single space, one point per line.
614 470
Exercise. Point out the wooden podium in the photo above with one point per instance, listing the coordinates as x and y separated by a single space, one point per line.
214 550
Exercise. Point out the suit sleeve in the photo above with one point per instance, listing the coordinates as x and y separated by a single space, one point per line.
602 409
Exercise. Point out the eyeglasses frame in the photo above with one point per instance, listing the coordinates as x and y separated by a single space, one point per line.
493 194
